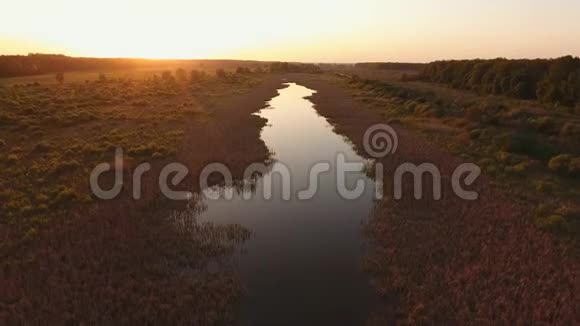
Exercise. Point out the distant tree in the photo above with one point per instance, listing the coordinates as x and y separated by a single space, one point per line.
196 75
102 78
553 80
180 74
243 70
60 78
220 73
166 75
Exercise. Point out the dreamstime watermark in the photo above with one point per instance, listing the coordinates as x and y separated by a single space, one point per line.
379 141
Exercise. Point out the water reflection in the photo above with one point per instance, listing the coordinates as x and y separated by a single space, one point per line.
302 264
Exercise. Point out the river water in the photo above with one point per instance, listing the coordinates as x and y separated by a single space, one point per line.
302 264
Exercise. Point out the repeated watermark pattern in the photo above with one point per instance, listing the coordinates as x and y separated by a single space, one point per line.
379 141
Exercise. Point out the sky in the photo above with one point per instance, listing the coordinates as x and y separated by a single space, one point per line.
296 30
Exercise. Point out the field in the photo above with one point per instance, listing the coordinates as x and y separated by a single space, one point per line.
86 257
448 260
528 147
69 257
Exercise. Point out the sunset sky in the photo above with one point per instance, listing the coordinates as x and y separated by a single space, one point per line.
297 30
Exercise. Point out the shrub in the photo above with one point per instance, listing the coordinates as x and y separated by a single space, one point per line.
180 74
166 75
520 168
220 73
146 150
66 166
478 133
2 143
561 218
544 186
6 119
543 124
553 222
196 75
566 165
570 129
12 158
523 142
473 114
507 158
140 103
560 163
60 78
102 78
41 147
65 198
243 70
574 167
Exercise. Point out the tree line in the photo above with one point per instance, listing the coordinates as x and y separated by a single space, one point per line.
38 64
295 67
390 65
547 80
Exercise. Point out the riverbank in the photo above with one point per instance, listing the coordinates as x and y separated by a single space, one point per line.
123 261
452 261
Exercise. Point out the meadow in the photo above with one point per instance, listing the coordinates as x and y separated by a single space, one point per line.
531 148
83 259
445 261
70 257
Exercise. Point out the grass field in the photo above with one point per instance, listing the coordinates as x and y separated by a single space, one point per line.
531 149
56 236
123 261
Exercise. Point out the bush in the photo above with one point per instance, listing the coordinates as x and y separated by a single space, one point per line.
560 163
12 158
60 78
574 167
7 119
542 124
544 186
553 222
166 75
41 147
566 165
522 142
180 75
65 167
65 198
520 168
197 75
243 70
475 134
570 129
220 73
507 158
559 218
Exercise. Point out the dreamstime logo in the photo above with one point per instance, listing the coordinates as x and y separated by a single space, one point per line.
379 141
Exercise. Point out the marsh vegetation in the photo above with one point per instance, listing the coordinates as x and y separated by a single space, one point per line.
80 258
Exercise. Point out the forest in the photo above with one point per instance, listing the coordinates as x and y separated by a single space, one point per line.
390 65
547 80
40 64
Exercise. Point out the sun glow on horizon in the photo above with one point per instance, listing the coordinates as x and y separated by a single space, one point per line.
300 30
